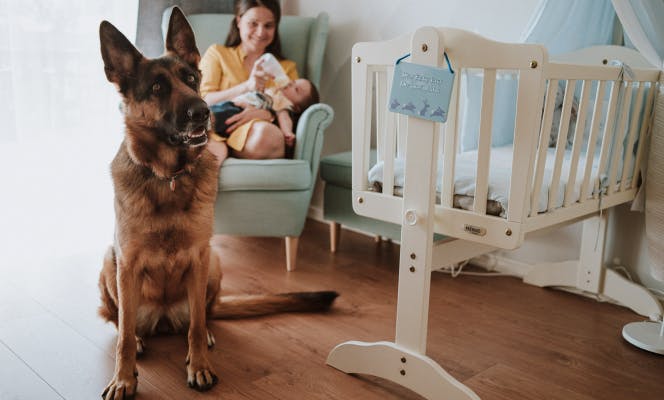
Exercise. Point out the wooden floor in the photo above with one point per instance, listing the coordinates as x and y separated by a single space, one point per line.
502 338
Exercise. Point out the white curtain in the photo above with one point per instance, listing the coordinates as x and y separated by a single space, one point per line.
60 126
567 25
643 23
51 75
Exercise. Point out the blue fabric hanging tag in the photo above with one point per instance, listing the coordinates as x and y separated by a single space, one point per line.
421 91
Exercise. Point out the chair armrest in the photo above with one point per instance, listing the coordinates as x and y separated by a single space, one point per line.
310 129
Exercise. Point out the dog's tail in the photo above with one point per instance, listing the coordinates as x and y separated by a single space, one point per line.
244 306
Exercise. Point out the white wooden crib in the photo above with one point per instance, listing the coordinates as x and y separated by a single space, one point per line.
546 187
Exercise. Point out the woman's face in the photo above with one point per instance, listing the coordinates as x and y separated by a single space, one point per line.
257 27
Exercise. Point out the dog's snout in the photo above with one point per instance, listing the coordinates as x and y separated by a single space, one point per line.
198 112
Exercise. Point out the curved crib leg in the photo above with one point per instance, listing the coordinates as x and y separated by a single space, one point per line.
589 274
387 360
629 294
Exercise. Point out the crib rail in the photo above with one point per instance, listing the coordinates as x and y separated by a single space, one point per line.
603 111
610 131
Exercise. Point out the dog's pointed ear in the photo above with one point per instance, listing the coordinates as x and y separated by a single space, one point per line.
180 39
121 58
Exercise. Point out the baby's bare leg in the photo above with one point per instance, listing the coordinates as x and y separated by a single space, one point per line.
264 141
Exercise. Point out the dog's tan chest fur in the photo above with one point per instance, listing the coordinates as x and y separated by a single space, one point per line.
163 294
153 317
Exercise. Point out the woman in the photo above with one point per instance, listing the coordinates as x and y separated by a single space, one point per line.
232 69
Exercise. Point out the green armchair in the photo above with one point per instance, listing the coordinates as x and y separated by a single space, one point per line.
271 197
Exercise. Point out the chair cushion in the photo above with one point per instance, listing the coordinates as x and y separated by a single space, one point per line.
251 175
337 169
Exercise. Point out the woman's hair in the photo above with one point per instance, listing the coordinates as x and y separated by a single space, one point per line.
242 6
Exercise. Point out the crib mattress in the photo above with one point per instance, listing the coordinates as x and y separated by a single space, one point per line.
499 179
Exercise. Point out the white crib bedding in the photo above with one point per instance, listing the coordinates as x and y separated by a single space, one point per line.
499 179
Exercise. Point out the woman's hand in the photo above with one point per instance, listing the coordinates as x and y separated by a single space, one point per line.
258 78
247 115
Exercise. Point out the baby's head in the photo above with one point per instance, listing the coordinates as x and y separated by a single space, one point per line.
302 93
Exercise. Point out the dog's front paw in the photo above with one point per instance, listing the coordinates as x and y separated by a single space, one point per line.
210 339
121 389
201 378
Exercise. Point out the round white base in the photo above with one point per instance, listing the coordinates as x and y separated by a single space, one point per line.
646 335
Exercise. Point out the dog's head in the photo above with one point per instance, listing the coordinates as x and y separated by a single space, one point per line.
161 96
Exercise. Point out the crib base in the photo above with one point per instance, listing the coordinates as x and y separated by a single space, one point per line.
409 369
615 287
589 274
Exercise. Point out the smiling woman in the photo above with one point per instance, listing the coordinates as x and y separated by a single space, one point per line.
235 68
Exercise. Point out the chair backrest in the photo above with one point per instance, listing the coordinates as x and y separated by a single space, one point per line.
303 39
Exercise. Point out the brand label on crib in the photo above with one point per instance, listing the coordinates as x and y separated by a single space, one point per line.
421 91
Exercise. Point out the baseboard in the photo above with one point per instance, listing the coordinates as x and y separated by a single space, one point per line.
499 263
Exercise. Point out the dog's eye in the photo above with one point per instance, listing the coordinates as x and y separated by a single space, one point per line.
191 79
156 87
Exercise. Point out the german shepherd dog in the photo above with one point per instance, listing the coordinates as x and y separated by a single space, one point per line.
161 274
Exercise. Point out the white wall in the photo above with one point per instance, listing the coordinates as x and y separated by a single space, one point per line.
354 21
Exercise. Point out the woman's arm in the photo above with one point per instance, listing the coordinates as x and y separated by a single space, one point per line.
247 115
215 97
212 74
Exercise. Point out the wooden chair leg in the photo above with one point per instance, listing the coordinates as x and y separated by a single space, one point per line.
291 251
335 231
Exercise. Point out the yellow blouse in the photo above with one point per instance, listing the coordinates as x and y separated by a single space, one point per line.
222 68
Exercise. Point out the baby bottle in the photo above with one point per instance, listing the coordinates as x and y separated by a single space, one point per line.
272 67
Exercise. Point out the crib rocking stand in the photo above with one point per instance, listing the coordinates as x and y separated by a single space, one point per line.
472 232
404 361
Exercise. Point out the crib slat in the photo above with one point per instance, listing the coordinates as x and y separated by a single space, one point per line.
380 102
402 128
388 166
620 137
592 140
388 137
484 145
561 143
361 122
609 131
633 128
451 144
578 141
645 130
528 110
545 129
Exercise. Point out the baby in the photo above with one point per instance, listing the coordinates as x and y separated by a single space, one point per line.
284 103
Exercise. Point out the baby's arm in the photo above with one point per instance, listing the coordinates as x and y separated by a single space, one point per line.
286 125
242 103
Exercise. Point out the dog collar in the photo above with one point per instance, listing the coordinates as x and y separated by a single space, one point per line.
179 173
171 180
